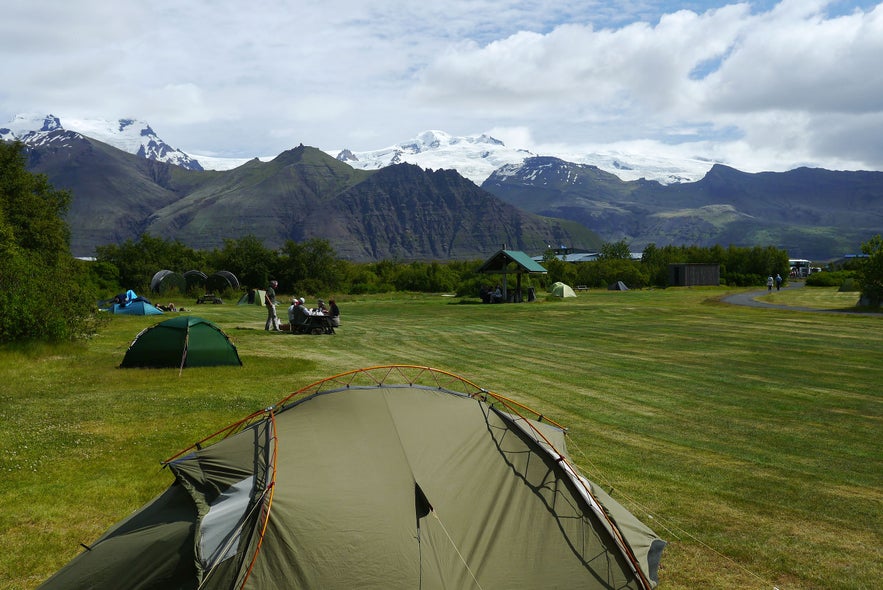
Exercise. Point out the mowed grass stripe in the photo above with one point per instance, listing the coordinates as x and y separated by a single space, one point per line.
750 434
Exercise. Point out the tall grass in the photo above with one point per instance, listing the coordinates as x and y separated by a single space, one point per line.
748 438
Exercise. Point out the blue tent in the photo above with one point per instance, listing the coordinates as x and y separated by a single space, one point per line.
137 307
130 304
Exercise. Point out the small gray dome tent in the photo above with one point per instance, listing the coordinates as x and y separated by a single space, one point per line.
389 477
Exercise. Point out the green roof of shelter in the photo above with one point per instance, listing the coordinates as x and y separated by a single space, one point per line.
499 263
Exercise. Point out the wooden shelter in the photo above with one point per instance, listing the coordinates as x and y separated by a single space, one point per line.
507 262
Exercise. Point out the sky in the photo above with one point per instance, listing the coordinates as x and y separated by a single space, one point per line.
759 85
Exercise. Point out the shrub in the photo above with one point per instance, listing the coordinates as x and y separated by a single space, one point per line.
870 272
829 279
849 285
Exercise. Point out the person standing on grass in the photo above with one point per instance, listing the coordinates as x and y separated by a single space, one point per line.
334 312
769 283
272 324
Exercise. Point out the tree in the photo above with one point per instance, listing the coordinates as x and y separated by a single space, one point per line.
615 251
870 272
45 295
602 273
32 207
311 267
655 262
137 262
248 259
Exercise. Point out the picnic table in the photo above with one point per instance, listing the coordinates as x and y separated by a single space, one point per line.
208 298
312 324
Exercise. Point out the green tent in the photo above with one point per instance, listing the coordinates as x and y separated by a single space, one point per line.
562 290
388 477
253 297
183 341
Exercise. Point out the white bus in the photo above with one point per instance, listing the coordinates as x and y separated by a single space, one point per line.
800 268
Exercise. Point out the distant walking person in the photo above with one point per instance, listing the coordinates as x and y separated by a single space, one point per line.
769 283
778 282
272 324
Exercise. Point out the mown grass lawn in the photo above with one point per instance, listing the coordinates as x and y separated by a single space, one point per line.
748 438
829 298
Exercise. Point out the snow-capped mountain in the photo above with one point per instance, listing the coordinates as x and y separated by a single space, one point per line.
129 135
634 166
474 157
477 157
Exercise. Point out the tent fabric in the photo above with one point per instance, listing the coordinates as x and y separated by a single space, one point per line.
562 290
129 303
166 280
184 341
194 279
617 286
379 485
253 297
221 281
136 307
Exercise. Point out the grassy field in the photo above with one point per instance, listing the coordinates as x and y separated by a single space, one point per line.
750 439
827 298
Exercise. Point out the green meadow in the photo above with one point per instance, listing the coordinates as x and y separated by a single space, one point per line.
749 439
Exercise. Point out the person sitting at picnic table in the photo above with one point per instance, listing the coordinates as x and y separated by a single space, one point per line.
292 312
334 312
297 314
308 311
485 294
497 296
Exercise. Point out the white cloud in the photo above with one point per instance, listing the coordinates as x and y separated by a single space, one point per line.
808 63
759 81
791 83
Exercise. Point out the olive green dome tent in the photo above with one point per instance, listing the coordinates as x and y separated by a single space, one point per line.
562 290
389 477
253 297
183 341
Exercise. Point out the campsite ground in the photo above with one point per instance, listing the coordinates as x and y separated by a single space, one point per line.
747 437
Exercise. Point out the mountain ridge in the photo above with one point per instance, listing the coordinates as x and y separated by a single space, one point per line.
812 213
405 212
129 135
